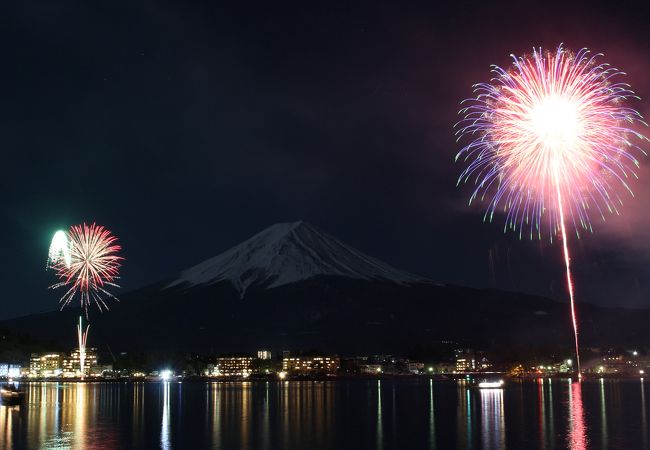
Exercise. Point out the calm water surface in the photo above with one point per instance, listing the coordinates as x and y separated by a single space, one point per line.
404 415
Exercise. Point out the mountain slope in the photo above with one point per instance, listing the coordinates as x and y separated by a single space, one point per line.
286 253
304 289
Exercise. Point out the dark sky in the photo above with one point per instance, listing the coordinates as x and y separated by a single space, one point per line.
186 127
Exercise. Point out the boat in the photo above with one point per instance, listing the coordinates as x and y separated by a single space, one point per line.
11 395
490 384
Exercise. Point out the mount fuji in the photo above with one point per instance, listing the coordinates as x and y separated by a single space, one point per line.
287 253
295 287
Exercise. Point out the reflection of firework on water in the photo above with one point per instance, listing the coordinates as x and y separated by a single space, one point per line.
551 140
93 264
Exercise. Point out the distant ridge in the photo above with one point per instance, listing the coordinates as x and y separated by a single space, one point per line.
303 289
287 253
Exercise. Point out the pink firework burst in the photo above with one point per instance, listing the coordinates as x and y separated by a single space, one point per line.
552 130
550 140
92 267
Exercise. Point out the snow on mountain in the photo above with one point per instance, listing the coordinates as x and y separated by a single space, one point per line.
288 252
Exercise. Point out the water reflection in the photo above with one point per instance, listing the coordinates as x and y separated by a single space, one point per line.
380 424
577 429
603 415
464 415
80 416
164 428
546 406
432 418
342 415
7 417
492 419
644 424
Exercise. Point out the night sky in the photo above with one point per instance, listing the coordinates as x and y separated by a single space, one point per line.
186 127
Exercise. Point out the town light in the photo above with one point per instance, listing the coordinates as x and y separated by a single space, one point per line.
165 375
282 375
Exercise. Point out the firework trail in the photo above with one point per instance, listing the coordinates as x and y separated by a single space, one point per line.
551 143
92 265
82 335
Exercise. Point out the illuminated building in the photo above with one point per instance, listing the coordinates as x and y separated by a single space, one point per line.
46 364
234 366
10 370
264 354
372 368
71 366
617 363
443 368
465 360
310 364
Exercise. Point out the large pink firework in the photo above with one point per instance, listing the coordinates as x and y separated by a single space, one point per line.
92 265
551 141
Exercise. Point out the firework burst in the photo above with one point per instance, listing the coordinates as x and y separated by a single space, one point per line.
553 126
91 267
59 250
551 141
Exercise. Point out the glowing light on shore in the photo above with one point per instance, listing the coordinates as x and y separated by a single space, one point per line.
551 144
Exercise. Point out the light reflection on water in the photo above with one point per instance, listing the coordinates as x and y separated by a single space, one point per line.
577 434
164 427
492 419
386 414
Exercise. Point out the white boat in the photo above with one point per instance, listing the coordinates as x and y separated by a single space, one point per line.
491 384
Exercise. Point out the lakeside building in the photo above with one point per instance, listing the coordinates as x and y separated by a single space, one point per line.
465 360
46 364
71 363
264 355
415 368
619 364
311 364
10 370
232 366
371 368
442 368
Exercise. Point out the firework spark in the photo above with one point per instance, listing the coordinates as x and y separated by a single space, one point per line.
551 142
92 266
59 250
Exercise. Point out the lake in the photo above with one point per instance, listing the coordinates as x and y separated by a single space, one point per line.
356 414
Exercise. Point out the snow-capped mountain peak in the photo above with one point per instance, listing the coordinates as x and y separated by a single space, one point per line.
286 253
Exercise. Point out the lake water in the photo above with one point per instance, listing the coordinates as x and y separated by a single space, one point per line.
404 415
